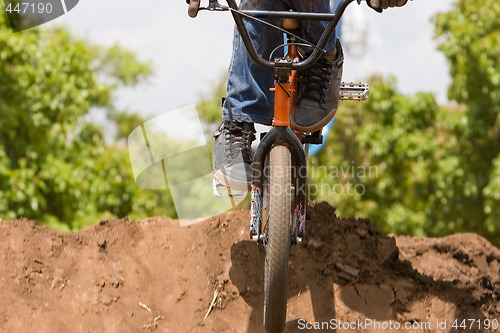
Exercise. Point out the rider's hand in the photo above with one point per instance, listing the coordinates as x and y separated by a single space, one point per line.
379 5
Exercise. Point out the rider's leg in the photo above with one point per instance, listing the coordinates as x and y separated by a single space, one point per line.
318 90
318 93
248 83
248 98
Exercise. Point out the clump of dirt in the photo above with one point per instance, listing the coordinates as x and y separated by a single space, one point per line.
153 275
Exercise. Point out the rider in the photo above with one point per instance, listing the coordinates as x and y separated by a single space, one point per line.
250 100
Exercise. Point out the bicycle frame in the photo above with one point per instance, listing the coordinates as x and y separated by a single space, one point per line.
285 223
281 134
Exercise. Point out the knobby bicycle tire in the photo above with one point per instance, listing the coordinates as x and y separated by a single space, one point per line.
278 240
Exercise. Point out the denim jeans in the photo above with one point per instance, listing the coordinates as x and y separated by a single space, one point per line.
248 83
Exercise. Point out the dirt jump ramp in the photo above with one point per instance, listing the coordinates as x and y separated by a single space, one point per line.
153 275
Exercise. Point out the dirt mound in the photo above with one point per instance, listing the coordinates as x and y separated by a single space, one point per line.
123 276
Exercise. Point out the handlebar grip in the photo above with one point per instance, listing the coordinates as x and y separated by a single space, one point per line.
194 5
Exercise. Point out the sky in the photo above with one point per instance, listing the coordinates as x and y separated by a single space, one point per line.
189 55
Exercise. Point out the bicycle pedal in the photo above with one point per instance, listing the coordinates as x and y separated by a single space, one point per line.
222 191
354 91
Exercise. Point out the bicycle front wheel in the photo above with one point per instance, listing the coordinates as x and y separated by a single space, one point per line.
278 240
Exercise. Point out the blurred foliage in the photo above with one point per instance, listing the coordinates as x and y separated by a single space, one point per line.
379 157
469 36
54 164
407 164
435 169
209 107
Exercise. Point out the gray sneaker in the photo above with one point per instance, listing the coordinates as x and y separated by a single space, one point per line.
318 93
232 156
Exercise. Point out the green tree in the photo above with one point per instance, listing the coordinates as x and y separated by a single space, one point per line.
469 36
55 166
404 162
378 158
438 167
210 105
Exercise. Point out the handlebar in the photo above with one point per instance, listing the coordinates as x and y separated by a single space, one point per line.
238 15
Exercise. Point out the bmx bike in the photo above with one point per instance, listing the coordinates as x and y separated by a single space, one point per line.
279 191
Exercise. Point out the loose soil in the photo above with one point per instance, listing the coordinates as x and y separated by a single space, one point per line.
153 275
